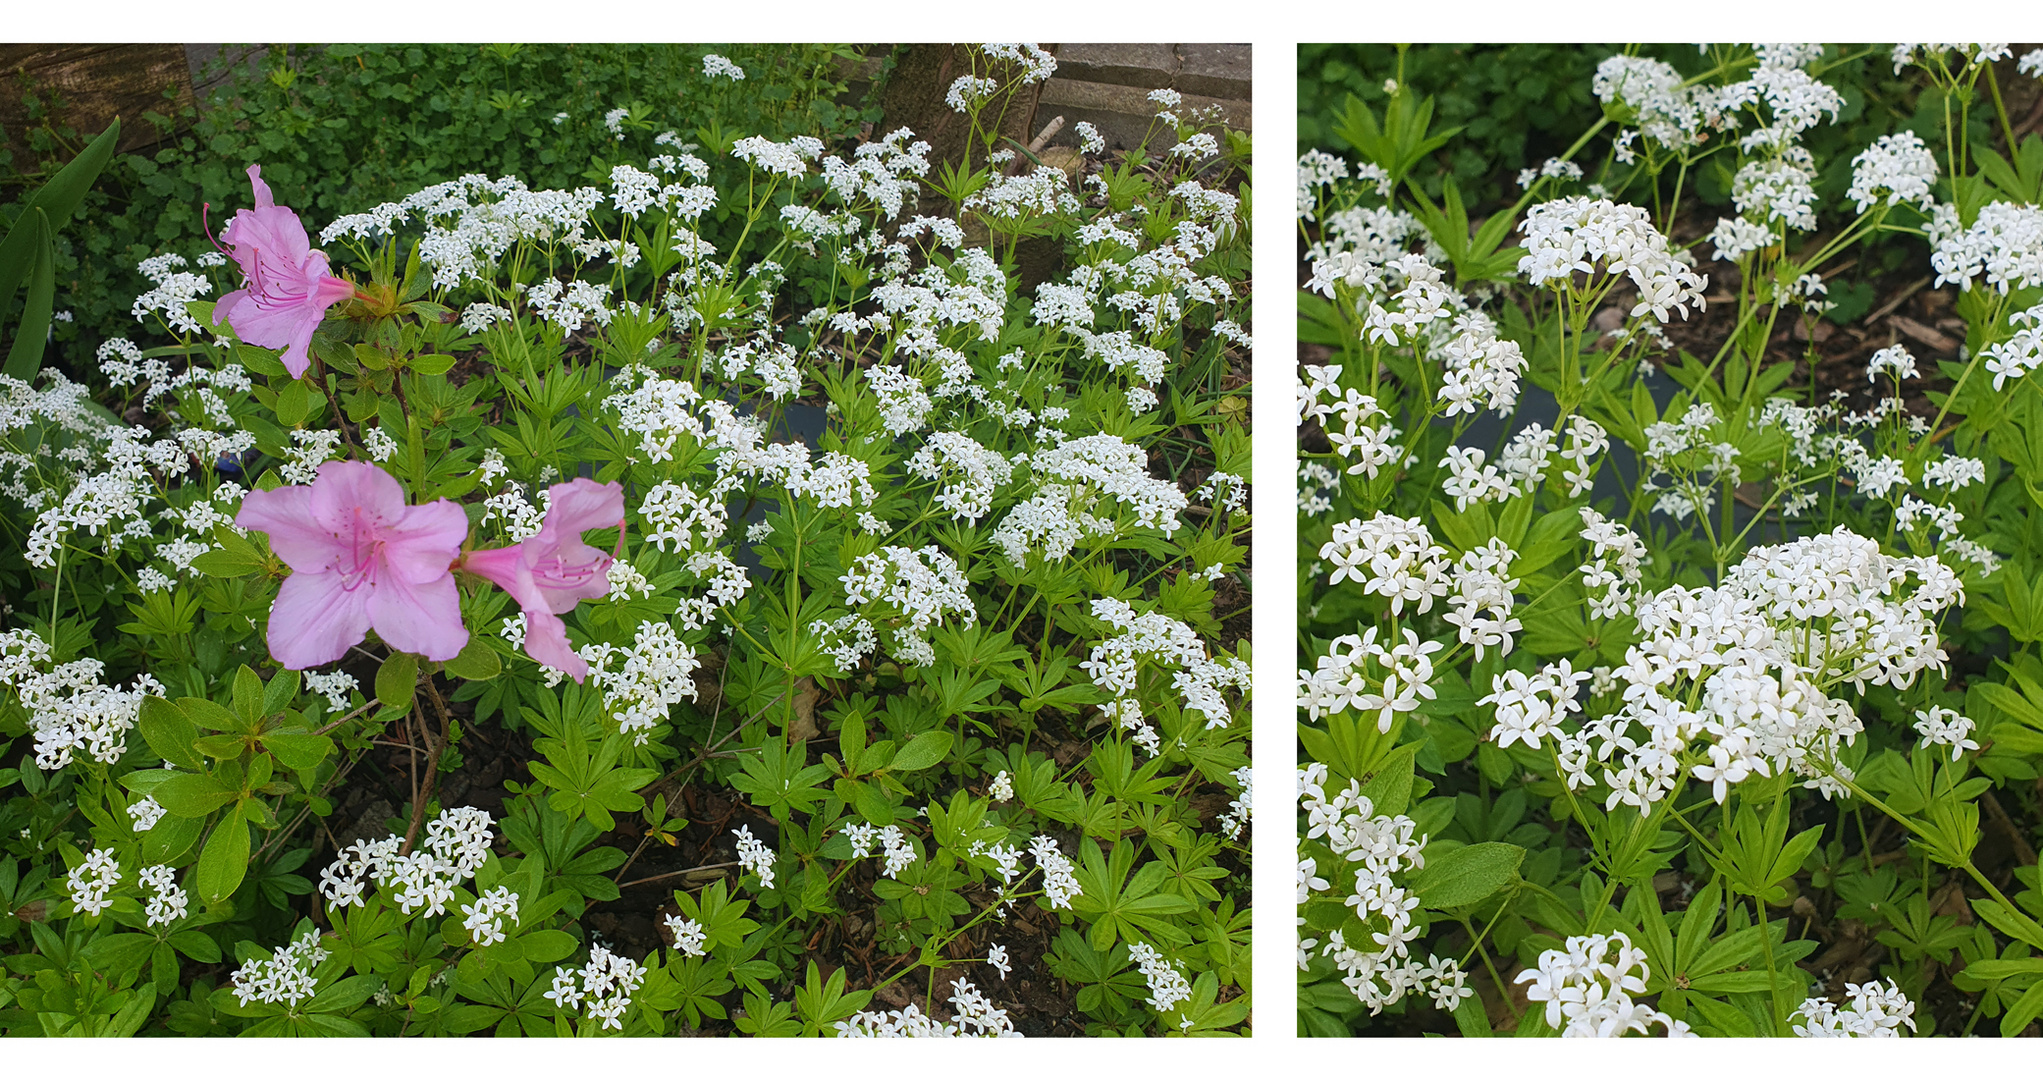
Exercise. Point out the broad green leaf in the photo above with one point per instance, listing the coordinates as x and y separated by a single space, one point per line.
192 795
224 862
922 751
397 680
1467 875
169 733
476 662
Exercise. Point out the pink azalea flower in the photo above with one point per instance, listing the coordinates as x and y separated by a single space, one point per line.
287 287
361 560
552 570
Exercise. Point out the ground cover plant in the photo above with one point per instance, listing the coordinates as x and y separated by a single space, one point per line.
512 611
1651 680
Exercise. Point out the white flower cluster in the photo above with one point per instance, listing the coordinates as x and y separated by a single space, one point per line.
688 934
334 685
1876 1011
1481 369
484 919
1747 666
170 903
1587 989
1796 100
70 710
1895 359
1422 305
1357 672
714 66
146 812
1036 63
1940 726
1317 169
1685 464
1242 807
1551 169
973 1016
1898 167
197 390
968 92
1616 558
1013 201
1115 666
1581 235
1167 984
1060 884
1531 708
922 586
1483 597
473 221
1735 238
1357 245
970 291
1073 477
309 450
755 857
1373 445
1390 556
287 976
456 843
1663 108
2005 243
643 683
1679 116
677 513
2021 353
849 639
91 882
1928 52
1223 491
175 290
899 853
1090 141
1384 845
113 504
1776 189
881 173
604 989
971 473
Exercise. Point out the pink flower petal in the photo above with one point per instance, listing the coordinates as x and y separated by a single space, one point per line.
505 568
423 542
316 620
349 491
576 507
286 515
546 641
262 190
226 305
419 617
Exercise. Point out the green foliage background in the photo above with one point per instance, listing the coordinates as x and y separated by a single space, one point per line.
340 128
1517 105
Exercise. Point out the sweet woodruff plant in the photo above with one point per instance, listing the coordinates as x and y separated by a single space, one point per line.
1628 677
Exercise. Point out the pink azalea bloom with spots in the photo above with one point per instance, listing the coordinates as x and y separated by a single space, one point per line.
361 560
287 289
551 571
